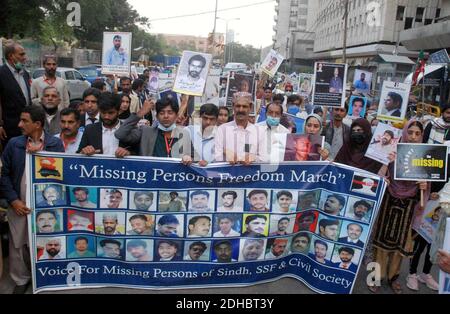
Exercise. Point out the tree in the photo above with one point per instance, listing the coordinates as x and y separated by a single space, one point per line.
244 54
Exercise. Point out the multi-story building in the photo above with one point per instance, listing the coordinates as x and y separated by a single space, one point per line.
293 37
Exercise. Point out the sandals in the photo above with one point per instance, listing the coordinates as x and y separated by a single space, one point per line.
396 287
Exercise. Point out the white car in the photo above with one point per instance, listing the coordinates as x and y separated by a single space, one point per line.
76 82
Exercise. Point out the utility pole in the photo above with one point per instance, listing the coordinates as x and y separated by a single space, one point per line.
214 29
344 49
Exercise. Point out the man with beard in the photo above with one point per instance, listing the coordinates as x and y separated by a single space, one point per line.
51 197
143 200
117 55
81 195
320 253
71 134
139 225
346 254
305 221
252 249
225 224
255 226
277 248
300 243
110 223
52 250
138 250
50 102
384 144
200 202
336 131
195 251
199 226
329 228
361 84
224 251
98 138
282 226
193 81
334 204
46 221
360 210
111 248
49 79
228 202
354 232
258 201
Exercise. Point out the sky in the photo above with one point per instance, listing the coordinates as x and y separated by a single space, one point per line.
254 27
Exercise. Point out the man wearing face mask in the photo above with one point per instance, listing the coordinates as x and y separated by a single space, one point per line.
50 79
274 132
50 102
162 140
15 92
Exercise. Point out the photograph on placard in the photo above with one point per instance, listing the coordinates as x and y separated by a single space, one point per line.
192 73
383 143
329 84
357 107
271 63
362 81
393 101
116 53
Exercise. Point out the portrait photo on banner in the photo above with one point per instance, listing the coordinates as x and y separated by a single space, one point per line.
302 147
329 87
357 107
116 53
393 101
192 73
383 143
362 81
305 85
240 83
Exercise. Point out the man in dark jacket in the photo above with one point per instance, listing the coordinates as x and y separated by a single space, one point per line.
14 91
13 188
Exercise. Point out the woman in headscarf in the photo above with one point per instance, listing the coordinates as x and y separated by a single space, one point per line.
354 149
393 235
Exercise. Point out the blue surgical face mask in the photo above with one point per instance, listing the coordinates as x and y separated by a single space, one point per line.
273 122
169 129
293 109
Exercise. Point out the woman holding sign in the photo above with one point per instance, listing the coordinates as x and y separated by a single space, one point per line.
392 242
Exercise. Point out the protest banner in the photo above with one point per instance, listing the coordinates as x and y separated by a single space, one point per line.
240 83
421 162
427 221
393 101
305 85
151 223
272 63
384 142
329 84
357 107
116 53
444 278
165 82
153 82
362 81
440 57
192 73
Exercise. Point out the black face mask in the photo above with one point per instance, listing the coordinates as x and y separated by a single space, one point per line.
358 138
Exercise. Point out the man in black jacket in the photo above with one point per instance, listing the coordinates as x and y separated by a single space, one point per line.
14 91
98 138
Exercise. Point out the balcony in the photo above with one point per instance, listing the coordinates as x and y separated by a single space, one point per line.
428 37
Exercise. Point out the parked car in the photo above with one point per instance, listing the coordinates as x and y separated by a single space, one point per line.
76 82
234 67
91 73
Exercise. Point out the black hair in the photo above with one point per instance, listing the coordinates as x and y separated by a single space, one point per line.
302 235
81 238
37 113
91 92
137 83
253 192
417 124
108 101
47 211
396 98
328 222
321 242
198 243
340 198
161 104
362 229
363 203
210 110
307 214
278 97
201 192
358 99
346 249
198 58
284 218
390 133
293 98
98 84
194 219
69 111
275 104
106 241
125 78
250 218
117 37
232 193
139 193
286 193
142 217
79 188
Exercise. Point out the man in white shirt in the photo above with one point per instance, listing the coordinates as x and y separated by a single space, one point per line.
52 250
240 141
274 133
226 224
49 79
71 133
99 138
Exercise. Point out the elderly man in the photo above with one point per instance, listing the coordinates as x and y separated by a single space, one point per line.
240 141
50 101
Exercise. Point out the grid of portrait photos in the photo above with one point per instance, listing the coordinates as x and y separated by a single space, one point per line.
210 225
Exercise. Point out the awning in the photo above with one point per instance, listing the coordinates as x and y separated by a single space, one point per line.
396 59
433 74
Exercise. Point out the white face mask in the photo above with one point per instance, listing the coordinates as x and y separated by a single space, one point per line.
169 129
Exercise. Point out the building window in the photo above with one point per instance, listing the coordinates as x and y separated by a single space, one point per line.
419 14
438 13
428 21
400 13
409 23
